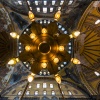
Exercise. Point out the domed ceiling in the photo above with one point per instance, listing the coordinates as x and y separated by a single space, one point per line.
49 40
45 48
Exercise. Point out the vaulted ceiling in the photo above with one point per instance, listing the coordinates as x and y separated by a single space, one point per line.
81 15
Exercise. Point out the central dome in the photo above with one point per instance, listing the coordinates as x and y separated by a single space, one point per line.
44 47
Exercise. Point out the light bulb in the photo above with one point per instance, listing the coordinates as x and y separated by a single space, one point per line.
30 78
44 30
97 21
96 73
32 74
58 78
71 36
44 65
61 48
13 34
17 36
27 48
17 59
75 61
32 35
56 60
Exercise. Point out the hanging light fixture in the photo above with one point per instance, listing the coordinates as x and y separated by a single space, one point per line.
12 61
57 15
17 59
27 48
61 48
97 73
75 61
17 36
30 78
71 36
58 79
14 35
56 60
32 74
75 34
32 35
31 16
44 30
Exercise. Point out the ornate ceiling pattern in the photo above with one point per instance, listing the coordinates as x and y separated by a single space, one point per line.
77 67
6 43
89 46
41 7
